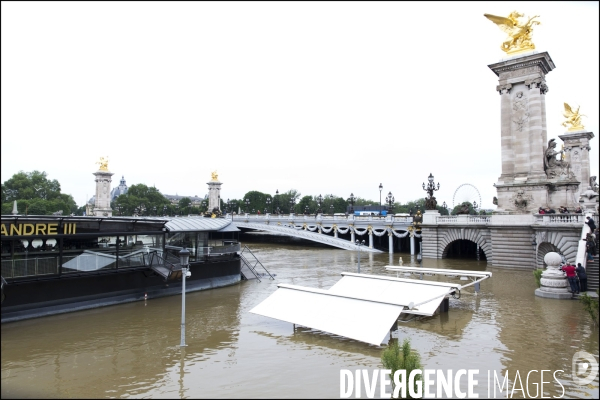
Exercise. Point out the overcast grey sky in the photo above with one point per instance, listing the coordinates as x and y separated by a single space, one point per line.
321 97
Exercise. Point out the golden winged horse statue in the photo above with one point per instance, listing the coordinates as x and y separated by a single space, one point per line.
573 119
519 34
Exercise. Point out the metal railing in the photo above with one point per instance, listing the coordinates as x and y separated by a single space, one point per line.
252 264
29 267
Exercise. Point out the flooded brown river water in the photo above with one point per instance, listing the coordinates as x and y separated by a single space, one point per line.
132 350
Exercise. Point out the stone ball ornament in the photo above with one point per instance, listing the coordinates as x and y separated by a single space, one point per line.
552 259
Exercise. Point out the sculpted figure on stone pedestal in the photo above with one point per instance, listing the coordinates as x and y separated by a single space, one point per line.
553 166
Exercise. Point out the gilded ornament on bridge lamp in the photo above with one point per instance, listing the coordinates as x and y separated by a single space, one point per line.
519 33
103 163
573 119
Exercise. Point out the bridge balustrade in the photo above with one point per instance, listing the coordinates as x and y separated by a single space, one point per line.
559 218
320 217
464 219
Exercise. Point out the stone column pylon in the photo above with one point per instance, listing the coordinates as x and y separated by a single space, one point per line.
102 204
577 154
214 193
537 127
523 136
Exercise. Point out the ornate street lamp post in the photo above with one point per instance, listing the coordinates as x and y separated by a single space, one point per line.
247 201
277 200
306 210
430 202
292 204
154 209
331 206
184 258
390 200
164 210
351 200
269 201
475 206
380 189
445 206
319 201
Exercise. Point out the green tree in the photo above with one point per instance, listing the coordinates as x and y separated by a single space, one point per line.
141 197
257 201
35 194
456 210
397 358
306 201
185 205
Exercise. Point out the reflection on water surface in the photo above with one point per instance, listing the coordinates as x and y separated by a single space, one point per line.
132 350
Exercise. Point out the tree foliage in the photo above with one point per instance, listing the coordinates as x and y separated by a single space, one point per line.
35 195
405 358
146 200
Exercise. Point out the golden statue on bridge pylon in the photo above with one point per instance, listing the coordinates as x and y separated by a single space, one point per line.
214 175
519 34
103 163
573 119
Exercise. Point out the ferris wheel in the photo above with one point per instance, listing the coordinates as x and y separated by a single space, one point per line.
466 192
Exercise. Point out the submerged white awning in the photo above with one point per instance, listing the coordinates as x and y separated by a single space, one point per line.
364 320
476 276
359 306
422 297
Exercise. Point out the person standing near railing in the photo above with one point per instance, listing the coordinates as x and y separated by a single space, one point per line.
580 270
571 277
591 223
590 246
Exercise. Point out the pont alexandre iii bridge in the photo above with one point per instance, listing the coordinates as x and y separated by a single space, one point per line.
509 241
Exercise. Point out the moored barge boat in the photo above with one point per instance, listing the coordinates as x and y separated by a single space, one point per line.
56 264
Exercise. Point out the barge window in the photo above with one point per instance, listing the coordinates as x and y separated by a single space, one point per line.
37 256
195 242
89 254
135 250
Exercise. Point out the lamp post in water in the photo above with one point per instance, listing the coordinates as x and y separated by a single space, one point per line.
184 258
358 244
380 189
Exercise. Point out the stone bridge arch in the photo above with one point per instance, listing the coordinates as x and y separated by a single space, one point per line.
482 238
562 242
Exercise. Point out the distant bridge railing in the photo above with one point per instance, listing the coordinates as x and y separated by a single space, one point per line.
464 219
559 218
350 219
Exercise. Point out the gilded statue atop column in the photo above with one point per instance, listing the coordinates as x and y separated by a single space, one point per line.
519 33
103 163
573 119
214 175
